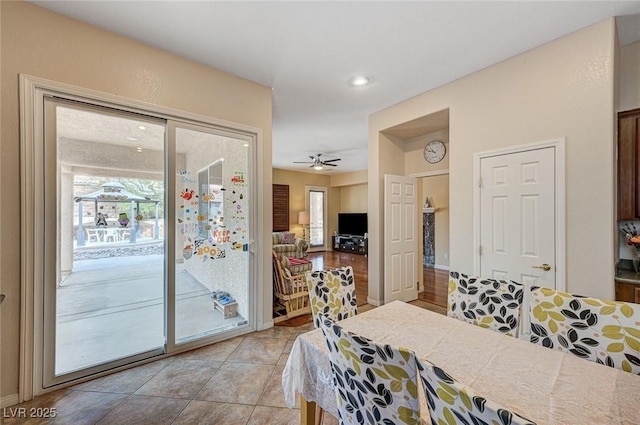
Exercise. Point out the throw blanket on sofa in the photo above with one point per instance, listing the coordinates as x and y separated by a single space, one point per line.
297 261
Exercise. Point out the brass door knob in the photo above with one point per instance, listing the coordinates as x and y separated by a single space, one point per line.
544 267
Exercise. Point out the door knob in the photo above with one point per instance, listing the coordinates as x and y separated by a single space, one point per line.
544 267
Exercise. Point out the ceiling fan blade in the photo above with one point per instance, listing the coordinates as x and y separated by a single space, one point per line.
331 165
332 160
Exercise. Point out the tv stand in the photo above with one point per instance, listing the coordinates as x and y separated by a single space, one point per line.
350 243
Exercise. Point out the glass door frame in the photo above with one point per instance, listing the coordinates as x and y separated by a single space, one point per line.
51 240
170 296
33 91
325 215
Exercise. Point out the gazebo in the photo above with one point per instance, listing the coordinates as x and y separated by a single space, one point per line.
115 192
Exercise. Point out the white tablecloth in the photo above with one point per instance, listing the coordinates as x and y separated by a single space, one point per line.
544 385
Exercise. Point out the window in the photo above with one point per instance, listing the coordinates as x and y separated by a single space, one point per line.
317 207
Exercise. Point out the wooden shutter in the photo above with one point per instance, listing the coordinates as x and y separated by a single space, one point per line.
280 207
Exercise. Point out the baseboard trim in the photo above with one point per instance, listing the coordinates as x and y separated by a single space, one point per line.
371 301
9 400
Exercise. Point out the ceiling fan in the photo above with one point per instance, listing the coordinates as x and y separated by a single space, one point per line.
317 163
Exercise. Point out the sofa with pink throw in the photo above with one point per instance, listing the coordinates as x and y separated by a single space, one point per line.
287 244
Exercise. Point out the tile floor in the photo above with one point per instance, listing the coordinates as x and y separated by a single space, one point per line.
233 382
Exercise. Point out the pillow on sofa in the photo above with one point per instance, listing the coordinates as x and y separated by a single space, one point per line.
288 238
276 238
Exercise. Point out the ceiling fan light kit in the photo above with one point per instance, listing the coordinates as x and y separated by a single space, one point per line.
317 163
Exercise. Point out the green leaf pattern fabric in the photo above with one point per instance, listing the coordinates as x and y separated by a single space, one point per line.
488 303
332 294
375 383
451 402
605 332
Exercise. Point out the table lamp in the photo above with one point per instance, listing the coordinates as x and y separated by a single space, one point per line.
303 218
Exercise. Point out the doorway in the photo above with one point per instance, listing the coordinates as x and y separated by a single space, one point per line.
435 238
141 236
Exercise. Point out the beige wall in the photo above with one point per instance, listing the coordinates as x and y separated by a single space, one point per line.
346 193
353 192
38 42
297 182
630 76
561 89
353 199
345 179
414 153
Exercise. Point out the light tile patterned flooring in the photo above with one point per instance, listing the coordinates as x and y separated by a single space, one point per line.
234 382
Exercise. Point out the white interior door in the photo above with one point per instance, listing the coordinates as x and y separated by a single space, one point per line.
400 238
517 219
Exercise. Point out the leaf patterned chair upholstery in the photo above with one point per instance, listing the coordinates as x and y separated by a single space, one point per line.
488 303
451 402
375 383
605 332
332 294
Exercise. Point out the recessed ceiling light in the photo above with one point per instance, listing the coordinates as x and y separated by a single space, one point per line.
142 127
133 139
359 81
246 145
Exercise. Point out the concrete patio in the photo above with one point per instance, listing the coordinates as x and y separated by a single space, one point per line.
113 307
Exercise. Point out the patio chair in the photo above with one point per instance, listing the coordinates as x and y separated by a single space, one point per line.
451 402
332 294
488 303
111 235
125 234
601 331
93 235
374 383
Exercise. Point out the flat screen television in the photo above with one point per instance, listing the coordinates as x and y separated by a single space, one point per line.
352 224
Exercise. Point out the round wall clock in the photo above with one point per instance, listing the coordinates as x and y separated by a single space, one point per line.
434 152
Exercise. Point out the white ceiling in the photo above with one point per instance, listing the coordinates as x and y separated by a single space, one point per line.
307 52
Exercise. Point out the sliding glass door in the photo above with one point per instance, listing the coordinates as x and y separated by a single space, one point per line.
146 224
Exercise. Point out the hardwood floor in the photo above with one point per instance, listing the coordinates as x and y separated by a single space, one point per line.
436 283
325 260
435 280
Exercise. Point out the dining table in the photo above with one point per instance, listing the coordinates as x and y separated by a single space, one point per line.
544 385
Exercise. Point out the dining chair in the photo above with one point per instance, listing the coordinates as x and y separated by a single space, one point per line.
602 331
375 383
332 293
488 303
451 402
